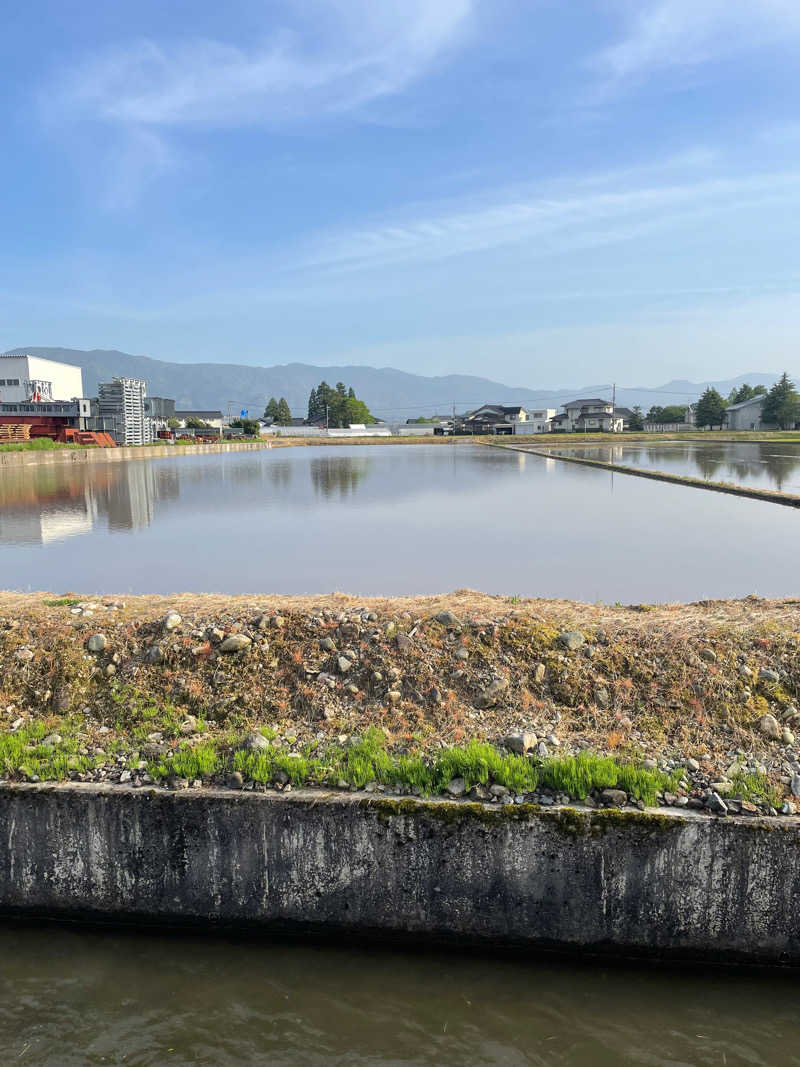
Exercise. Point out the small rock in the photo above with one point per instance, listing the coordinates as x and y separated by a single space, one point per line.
787 737
24 655
768 725
539 672
278 621
125 776
571 639
327 644
110 670
97 643
344 664
613 798
189 725
498 790
492 693
795 785
52 739
457 787
692 765
542 750
403 642
255 742
448 619
235 780
787 808
745 672
708 654
715 803
462 654
650 764
235 643
522 742
602 698
172 621
766 674
394 697
153 654
260 622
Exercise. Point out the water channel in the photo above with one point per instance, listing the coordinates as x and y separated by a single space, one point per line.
385 520
75 997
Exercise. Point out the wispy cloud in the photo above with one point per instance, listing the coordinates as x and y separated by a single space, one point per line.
327 57
659 34
563 217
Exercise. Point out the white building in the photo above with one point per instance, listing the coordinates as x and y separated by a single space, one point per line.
589 416
747 415
537 421
26 379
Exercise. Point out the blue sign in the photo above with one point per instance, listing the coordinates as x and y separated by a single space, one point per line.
244 412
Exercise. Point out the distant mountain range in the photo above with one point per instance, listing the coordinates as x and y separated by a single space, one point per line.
389 393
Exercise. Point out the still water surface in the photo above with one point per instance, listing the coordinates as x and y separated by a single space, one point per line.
763 464
385 520
70 997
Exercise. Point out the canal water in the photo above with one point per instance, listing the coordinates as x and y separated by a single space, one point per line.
386 520
761 464
75 997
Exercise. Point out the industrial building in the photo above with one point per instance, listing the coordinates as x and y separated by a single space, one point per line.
121 406
31 379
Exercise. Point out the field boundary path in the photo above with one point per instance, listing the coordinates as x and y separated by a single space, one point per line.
772 496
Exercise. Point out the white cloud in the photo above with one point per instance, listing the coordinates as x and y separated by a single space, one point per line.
670 33
564 217
329 56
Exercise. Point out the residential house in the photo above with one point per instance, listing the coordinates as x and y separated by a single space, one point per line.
537 421
589 415
494 419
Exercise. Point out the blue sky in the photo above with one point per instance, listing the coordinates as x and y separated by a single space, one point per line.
545 193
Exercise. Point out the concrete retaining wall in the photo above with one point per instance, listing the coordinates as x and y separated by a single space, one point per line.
110 455
618 882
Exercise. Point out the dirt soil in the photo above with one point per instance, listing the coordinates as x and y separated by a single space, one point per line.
716 683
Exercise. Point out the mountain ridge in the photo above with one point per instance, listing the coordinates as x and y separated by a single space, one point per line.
388 392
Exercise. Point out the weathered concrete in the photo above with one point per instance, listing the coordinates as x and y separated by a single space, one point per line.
620 882
114 455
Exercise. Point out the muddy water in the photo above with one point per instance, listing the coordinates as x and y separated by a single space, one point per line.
70 997
385 520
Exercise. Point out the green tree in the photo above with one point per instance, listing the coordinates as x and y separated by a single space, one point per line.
636 421
271 410
782 405
284 416
173 423
745 392
193 423
249 427
670 413
710 409
339 406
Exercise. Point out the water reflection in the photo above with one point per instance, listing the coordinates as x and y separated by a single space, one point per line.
387 520
49 503
338 474
762 464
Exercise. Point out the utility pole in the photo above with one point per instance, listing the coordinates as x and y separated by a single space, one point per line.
454 422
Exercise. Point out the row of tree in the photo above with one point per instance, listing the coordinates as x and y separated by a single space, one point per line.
278 411
337 407
781 404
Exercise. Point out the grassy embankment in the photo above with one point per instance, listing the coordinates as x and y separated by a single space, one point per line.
336 692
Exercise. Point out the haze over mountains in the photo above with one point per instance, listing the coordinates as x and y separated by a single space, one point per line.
389 393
